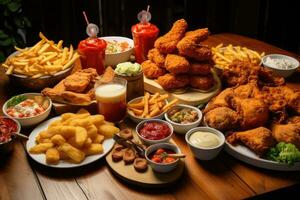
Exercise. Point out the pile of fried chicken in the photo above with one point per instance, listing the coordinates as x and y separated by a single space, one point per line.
258 117
76 88
179 59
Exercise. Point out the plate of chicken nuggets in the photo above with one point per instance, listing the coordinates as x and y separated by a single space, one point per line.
71 140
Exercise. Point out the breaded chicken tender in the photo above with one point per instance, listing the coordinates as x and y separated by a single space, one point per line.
156 57
202 82
177 64
167 43
169 81
200 68
151 70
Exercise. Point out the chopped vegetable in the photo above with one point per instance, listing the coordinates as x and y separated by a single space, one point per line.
183 116
16 100
128 69
284 153
116 46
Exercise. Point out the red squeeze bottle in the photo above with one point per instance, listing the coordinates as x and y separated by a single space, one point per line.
92 50
144 35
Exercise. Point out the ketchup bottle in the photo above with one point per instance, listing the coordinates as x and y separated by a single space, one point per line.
144 35
92 50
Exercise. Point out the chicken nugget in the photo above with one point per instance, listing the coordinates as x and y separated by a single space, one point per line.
169 81
75 154
108 130
151 70
202 82
167 43
200 68
40 148
158 58
177 64
93 149
52 156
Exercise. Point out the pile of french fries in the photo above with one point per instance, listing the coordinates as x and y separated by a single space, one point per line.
73 137
224 55
44 58
150 106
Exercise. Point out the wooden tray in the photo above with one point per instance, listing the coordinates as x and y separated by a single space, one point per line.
190 97
145 179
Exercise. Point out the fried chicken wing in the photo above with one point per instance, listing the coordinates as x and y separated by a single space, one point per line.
158 58
249 90
169 81
222 118
252 112
259 140
200 68
294 102
151 70
289 133
221 100
77 98
202 82
197 36
177 64
167 43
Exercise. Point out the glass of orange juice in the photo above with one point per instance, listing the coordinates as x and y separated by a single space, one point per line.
111 99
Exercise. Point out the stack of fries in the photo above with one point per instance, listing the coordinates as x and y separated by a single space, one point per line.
150 106
44 58
223 56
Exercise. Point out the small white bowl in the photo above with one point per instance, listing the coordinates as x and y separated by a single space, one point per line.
149 142
116 58
30 121
183 128
162 167
139 119
6 147
202 153
283 72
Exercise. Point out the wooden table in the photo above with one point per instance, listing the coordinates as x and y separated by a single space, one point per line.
223 178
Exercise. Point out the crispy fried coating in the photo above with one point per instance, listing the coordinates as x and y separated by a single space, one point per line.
249 90
151 70
222 118
200 68
221 100
289 133
169 81
259 140
77 98
294 102
197 36
252 112
156 57
177 64
167 43
202 82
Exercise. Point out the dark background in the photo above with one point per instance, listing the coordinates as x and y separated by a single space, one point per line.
275 22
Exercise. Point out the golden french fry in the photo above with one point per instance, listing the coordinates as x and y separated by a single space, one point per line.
169 105
146 106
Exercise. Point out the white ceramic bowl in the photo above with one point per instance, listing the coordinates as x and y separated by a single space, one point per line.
116 58
205 153
283 72
183 128
6 147
30 121
139 119
149 142
162 167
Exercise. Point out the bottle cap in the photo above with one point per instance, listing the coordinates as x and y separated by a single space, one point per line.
92 30
144 16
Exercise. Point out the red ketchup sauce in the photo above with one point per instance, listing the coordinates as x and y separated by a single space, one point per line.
7 128
92 53
154 130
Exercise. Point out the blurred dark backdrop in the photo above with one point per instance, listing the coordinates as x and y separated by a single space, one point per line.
275 22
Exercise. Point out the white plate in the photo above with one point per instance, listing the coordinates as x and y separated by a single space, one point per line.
244 154
40 158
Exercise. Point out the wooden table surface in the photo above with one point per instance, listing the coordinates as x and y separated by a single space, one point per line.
223 178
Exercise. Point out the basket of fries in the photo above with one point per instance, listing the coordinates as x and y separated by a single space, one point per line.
42 65
149 107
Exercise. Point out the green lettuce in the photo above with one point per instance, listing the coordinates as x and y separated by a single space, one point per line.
284 153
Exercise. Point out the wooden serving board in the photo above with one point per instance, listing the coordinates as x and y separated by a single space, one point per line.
148 178
190 96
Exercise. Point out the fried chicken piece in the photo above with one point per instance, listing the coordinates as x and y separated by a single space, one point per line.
77 98
151 70
222 118
294 120
156 57
177 64
259 140
240 73
54 93
200 68
221 100
167 43
249 90
197 36
169 81
294 102
196 51
289 133
268 78
252 112
202 82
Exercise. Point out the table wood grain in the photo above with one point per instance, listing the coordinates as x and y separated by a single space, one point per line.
223 178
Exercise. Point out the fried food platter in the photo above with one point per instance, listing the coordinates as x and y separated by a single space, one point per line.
40 158
149 178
